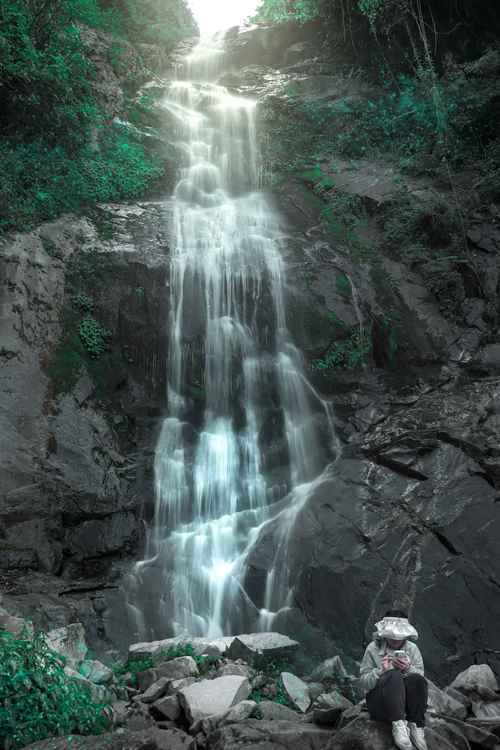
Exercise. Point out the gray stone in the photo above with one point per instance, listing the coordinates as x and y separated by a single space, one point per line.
334 699
98 693
449 732
458 696
69 642
156 690
364 734
167 708
296 690
476 734
177 685
270 735
443 704
243 670
213 696
238 713
315 690
201 646
478 679
255 645
173 739
178 669
96 671
486 710
271 711
330 669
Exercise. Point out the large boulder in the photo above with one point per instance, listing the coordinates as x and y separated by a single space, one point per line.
96 672
296 690
272 711
364 734
269 735
256 645
208 697
443 704
201 646
179 668
477 679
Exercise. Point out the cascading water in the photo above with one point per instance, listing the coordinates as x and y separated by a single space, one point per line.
227 282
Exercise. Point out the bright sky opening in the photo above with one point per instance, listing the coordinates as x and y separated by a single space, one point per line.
217 15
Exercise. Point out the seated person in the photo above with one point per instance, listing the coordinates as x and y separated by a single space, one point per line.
392 678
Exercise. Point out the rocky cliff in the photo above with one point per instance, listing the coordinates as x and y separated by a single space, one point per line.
408 353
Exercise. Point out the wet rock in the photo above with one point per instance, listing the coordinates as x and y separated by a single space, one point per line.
255 645
156 690
296 690
69 642
478 679
269 735
96 672
208 697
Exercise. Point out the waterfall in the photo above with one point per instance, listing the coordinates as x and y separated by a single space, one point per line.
229 342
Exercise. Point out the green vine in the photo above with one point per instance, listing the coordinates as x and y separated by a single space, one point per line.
93 336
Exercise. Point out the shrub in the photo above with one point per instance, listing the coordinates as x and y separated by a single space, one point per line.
93 336
37 699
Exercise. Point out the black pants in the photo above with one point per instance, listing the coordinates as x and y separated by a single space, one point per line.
395 697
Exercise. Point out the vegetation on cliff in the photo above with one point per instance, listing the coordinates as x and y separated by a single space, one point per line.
57 151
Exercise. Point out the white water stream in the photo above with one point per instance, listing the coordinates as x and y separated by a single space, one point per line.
227 280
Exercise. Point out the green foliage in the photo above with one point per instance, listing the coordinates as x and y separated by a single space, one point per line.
346 354
287 10
133 667
83 302
37 699
42 181
93 336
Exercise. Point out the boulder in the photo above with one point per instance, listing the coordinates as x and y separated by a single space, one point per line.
96 672
177 685
296 690
271 711
255 645
476 734
334 699
269 735
98 693
330 669
243 670
201 646
443 704
122 740
478 679
210 697
486 710
364 734
166 708
179 668
238 713
156 690
69 642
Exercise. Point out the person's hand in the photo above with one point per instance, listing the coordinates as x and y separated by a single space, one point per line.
401 662
386 663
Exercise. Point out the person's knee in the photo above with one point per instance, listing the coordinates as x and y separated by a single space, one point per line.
416 679
392 676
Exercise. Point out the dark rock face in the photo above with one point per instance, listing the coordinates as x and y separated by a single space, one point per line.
78 431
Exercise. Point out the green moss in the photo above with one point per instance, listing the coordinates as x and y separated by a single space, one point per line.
67 364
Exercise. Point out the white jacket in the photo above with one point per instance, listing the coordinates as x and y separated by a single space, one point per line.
371 666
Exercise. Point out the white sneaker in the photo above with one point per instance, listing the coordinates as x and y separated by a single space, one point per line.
400 735
417 735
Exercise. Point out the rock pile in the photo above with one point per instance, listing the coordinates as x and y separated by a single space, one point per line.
213 699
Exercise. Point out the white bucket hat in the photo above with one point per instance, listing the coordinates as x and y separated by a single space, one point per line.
395 629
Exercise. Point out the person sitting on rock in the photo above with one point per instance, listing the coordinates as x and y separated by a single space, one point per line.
392 678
